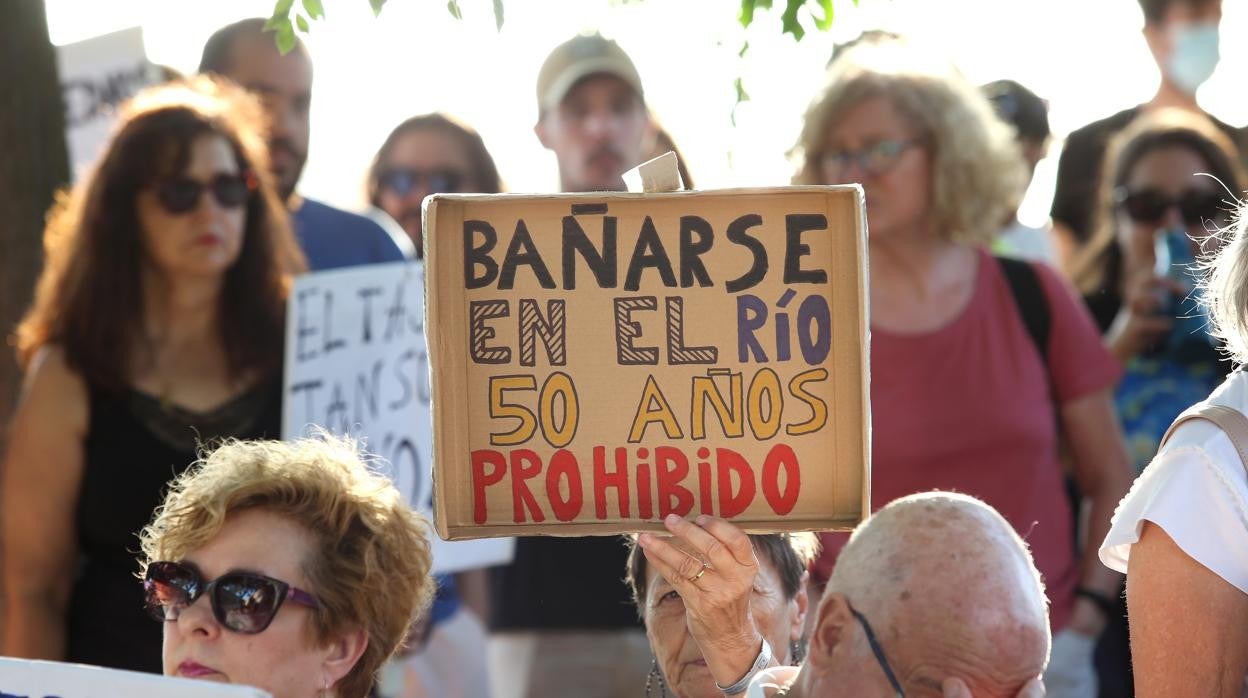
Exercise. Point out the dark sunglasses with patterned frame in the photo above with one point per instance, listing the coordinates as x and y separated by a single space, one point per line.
243 602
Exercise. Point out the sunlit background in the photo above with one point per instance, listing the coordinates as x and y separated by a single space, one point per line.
1086 57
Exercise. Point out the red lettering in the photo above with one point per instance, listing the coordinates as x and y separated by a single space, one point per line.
563 465
704 485
781 502
644 507
521 497
671 467
617 479
482 479
727 464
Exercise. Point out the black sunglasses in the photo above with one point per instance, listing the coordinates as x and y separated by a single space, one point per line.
241 601
181 194
402 181
878 651
1151 205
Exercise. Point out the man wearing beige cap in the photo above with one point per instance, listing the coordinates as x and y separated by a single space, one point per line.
592 113
562 620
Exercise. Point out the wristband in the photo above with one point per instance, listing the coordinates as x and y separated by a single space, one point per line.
1101 600
760 663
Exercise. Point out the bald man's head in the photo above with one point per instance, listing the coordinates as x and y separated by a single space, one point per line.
949 589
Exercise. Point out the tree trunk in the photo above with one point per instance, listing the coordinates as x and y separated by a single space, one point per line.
33 164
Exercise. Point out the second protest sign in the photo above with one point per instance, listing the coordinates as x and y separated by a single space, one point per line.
603 360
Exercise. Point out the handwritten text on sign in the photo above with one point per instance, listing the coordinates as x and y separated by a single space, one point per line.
640 357
356 364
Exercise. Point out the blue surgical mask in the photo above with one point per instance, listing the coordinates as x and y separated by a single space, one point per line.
1193 56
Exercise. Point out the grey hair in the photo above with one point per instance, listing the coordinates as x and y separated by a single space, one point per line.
978 175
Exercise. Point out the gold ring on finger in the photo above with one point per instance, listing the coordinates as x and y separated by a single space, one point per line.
701 572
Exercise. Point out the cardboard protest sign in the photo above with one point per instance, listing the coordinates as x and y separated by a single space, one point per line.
356 364
23 678
602 360
96 76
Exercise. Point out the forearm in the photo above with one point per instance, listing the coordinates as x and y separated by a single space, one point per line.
1103 474
1094 575
1090 617
728 659
33 628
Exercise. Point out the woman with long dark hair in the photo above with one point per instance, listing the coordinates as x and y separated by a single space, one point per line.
157 325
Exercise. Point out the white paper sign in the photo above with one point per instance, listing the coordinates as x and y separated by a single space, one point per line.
96 76
357 364
22 678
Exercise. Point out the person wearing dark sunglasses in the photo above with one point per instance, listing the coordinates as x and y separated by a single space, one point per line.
935 595
288 566
1167 192
159 321
428 154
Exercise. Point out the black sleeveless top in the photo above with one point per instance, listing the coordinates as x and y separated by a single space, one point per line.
134 446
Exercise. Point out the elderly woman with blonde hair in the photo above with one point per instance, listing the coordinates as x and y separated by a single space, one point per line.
291 567
978 363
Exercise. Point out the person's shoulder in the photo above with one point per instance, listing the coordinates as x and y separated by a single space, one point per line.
1200 439
1196 490
1099 130
50 365
1052 283
346 225
325 214
53 389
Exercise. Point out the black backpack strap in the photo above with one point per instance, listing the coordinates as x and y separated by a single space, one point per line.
1033 306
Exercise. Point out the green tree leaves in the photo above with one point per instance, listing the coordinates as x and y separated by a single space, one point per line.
821 12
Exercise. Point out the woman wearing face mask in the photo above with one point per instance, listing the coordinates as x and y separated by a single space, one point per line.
290 567
1182 36
1138 273
963 396
158 322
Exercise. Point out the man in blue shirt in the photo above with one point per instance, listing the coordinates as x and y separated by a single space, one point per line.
330 237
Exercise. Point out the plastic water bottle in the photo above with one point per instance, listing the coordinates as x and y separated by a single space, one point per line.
1174 260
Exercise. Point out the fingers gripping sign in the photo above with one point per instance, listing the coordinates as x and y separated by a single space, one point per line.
712 565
